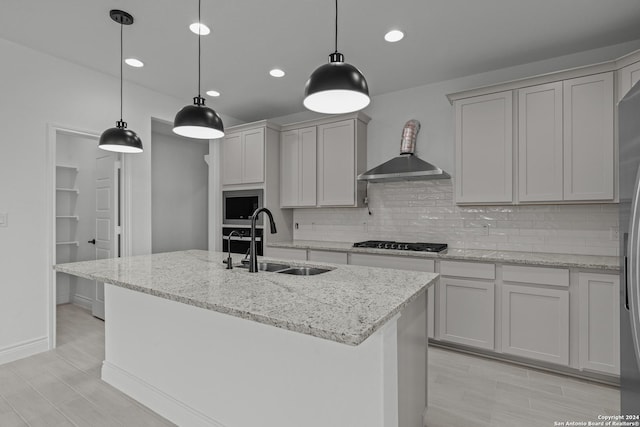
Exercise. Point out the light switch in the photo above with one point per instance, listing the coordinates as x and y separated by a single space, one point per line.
4 219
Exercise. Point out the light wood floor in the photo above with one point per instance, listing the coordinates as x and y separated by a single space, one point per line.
63 388
472 391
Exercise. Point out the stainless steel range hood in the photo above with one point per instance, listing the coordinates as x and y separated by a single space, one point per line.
407 166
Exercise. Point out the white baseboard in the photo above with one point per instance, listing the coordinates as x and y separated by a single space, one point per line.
155 399
23 349
82 301
63 299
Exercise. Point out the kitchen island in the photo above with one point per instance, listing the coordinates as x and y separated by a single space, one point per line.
206 346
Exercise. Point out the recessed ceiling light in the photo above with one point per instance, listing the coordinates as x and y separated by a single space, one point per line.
394 36
134 62
276 72
213 93
199 28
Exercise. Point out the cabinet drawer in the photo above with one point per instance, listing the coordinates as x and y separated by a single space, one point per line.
287 253
398 262
468 269
327 256
536 275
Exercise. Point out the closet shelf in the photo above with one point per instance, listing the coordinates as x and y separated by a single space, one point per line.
74 217
75 168
70 190
68 243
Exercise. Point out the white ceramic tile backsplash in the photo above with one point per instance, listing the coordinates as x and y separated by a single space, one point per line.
425 211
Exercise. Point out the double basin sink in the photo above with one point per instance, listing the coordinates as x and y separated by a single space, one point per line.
287 269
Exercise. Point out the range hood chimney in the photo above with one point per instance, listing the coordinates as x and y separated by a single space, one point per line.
407 166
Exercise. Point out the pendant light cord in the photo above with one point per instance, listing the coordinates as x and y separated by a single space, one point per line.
336 51
121 61
199 37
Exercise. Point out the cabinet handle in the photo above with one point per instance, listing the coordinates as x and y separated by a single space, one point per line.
92 241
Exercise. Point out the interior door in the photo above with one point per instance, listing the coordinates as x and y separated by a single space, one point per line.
107 229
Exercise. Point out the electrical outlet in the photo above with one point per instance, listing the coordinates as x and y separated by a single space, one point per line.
614 233
4 219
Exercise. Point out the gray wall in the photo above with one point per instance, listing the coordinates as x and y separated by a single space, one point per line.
179 184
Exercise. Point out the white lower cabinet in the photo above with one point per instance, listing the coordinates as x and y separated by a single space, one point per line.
403 263
467 312
327 256
599 334
535 323
286 253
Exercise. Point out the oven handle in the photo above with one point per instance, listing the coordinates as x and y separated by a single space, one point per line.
243 238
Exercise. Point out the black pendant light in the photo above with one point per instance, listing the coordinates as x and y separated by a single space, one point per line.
119 138
336 87
197 120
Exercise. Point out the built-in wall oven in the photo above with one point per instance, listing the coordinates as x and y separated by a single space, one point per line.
237 208
240 242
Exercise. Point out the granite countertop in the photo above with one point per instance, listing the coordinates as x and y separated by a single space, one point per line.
345 305
610 263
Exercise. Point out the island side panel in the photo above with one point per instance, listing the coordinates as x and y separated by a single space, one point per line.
412 363
198 367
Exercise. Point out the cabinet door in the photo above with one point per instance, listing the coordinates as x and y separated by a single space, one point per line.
232 159
484 138
467 312
588 138
599 323
253 156
627 77
403 263
336 164
540 143
307 179
289 168
327 256
535 323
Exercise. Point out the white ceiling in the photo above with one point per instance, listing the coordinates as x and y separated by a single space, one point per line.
444 39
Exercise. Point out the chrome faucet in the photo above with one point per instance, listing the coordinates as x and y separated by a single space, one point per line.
229 261
253 256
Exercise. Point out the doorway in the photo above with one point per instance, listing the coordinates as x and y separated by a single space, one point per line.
85 216
179 190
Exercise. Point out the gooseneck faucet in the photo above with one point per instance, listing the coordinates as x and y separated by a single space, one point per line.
253 256
229 261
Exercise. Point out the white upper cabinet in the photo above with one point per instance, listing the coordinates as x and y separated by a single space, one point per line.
588 138
484 140
243 157
298 167
627 77
540 167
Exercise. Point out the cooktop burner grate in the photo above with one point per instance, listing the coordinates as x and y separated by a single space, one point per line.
405 246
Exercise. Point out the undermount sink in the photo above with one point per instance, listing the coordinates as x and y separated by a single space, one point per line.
304 271
268 266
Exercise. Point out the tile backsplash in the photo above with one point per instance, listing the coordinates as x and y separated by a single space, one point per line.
425 211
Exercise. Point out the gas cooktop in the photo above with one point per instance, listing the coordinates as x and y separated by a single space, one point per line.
387 244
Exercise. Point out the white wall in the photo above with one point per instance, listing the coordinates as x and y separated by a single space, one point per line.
429 105
38 89
179 185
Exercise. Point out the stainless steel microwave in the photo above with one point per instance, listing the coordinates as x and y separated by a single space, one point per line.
238 206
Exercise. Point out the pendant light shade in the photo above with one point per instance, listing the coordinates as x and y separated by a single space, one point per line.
120 139
336 87
197 120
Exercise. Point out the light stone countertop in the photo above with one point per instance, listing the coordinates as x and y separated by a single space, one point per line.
345 305
609 263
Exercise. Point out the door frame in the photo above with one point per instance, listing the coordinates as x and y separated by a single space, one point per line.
50 183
